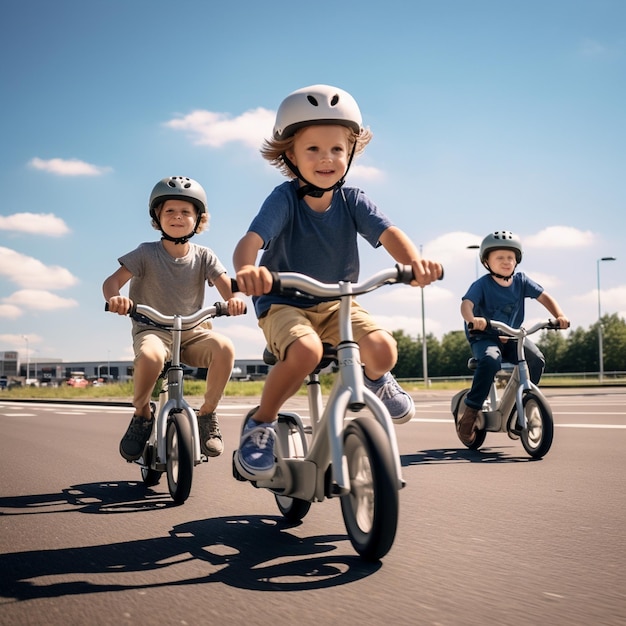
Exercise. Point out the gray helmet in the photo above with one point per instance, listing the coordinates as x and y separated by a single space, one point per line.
178 188
501 240
317 104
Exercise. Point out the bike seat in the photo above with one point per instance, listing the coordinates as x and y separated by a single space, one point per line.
328 356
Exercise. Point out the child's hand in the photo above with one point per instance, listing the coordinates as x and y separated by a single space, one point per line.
253 280
236 306
426 272
120 305
563 321
478 323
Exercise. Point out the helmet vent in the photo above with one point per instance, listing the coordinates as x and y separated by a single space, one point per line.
312 100
334 100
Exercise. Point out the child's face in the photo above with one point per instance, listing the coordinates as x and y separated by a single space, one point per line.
502 261
321 154
177 217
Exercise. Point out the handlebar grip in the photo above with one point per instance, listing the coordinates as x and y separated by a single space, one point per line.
276 286
131 311
405 274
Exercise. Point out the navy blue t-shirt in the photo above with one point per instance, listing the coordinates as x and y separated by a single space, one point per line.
503 304
320 245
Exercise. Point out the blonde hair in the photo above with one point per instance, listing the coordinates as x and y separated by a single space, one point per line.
203 222
274 149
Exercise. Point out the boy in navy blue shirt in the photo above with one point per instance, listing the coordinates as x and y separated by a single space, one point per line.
500 296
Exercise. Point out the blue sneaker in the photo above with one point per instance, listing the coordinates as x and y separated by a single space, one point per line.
398 402
255 458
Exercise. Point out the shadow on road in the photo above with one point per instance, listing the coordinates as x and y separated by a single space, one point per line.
248 552
463 455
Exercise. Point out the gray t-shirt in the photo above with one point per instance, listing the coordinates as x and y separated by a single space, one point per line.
172 286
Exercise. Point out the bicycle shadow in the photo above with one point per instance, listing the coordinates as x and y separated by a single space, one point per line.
248 552
103 497
464 455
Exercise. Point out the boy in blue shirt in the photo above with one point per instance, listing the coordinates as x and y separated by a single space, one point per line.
499 296
310 225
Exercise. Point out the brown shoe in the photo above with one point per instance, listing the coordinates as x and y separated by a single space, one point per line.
466 426
211 443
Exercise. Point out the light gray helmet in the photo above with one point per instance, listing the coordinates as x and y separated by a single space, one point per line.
317 104
501 240
178 188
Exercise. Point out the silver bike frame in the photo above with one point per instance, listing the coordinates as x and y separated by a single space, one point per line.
305 478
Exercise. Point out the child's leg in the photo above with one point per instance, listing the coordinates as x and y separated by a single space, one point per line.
150 355
217 353
286 377
379 353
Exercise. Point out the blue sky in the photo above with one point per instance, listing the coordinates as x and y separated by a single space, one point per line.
487 115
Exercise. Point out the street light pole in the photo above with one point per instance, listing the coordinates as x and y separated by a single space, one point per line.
475 247
600 346
27 357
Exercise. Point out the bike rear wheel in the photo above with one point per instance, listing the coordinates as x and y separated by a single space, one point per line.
293 443
370 510
179 457
537 436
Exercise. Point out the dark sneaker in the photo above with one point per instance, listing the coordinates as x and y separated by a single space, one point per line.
211 443
466 426
137 434
398 402
255 458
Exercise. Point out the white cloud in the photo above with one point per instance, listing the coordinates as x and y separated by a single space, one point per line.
366 172
31 273
9 311
560 237
68 167
40 300
207 128
34 223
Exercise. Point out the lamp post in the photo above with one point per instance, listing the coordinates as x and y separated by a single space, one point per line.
424 347
600 347
27 358
475 247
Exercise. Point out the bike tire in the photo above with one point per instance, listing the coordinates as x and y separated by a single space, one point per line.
370 510
537 437
150 476
294 445
179 457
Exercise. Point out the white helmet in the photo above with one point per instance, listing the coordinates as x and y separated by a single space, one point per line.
317 104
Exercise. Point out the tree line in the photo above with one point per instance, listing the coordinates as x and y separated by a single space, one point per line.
573 352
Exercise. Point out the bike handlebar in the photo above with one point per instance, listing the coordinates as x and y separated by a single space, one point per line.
293 281
505 329
148 315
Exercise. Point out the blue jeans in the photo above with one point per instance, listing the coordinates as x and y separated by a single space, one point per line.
490 353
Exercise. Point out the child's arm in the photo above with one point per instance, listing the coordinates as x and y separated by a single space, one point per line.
236 306
111 291
467 312
553 307
402 249
252 280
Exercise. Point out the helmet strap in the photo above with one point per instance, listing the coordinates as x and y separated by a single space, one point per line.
309 189
176 240
492 273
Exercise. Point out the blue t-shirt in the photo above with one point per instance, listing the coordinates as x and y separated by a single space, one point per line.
320 245
503 304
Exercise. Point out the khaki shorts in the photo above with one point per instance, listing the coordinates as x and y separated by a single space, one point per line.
197 344
283 324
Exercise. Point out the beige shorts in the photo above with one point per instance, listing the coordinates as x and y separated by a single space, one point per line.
197 344
283 324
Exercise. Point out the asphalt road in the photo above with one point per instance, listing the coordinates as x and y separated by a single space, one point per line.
488 537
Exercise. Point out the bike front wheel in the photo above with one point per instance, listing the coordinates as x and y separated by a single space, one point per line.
179 457
370 510
537 436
